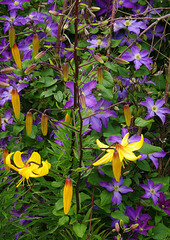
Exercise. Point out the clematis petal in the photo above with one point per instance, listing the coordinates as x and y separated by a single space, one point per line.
125 140
116 166
18 160
104 146
135 145
106 158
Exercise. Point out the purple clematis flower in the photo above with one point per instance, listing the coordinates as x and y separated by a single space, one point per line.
164 204
155 108
151 190
105 8
135 214
139 57
14 4
143 227
90 100
157 32
125 3
116 188
97 42
118 139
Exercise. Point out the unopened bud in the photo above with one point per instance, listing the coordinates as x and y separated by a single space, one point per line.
94 9
55 13
4 84
66 26
35 44
67 195
98 58
100 75
133 226
5 154
11 36
44 124
82 100
29 121
16 103
68 119
30 68
127 114
121 61
16 56
7 70
40 55
65 71
117 227
116 166
62 38
121 223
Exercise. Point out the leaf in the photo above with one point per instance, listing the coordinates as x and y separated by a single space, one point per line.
63 220
161 232
142 71
17 129
140 122
113 67
58 96
56 184
148 148
106 197
143 165
79 229
119 215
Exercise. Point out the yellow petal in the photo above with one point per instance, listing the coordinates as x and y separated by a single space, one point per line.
35 157
44 170
104 146
16 56
136 145
129 155
26 171
18 160
8 162
67 195
116 166
106 158
125 140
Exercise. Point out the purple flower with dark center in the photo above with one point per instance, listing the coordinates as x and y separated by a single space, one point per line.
151 190
14 4
51 27
139 57
94 120
125 3
116 188
90 100
135 214
155 108
143 227
96 41
7 119
138 9
35 17
156 32
164 204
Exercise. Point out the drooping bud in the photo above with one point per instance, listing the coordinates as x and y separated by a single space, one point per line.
98 58
121 223
40 55
133 226
35 44
11 36
127 114
117 227
65 71
100 75
5 154
94 9
4 84
28 123
82 100
7 70
55 13
16 103
44 124
121 61
116 166
30 68
16 56
67 195
68 119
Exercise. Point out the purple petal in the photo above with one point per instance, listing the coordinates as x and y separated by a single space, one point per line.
144 53
96 124
116 198
160 102
128 56
114 139
108 186
135 50
137 64
125 189
69 103
154 160
87 88
162 116
155 199
71 86
149 115
90 101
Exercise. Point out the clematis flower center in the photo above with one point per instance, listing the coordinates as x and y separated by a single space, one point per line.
120 2
138 11
137 56
128 23
5 120
30 16
99 42
152 191
154 108
16 3
12 19
48 29
141 229
116 188
90 111
163 206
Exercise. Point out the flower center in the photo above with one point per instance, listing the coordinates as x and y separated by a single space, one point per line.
163 206
48 29
5 120
99 42
16 3
141 229
27 165
154 108
128 23
12 19
138 11
90 111
30 16
116 188
137 56
152 191
120 2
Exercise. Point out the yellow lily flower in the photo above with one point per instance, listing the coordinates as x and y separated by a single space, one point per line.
125 152
29 169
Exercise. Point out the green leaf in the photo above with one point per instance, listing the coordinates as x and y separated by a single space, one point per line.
58 96
113 67
142 71
105 197
59 204
17 129
140 122
119 215
79 229
161 232
56 184
123 71
63 220
143 165
148 148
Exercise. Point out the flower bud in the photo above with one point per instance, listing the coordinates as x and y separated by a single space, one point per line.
40 55
82 100
121 223
116 166
100 75
44 124
133 226
55 13
121 61
94 9
65 71
127 114
5 154
30 68
4 84
68 119
16 56
35 44
11 36
16 103
117 227
29 121
7 70
98 58
67 195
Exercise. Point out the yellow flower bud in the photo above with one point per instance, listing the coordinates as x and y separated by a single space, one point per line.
116 166
67 195
11 36
44 124
40 55
65 71
100 75
16 103
4 84
127 114
29 121
7 70
121 61
82 100
35 43
16 56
